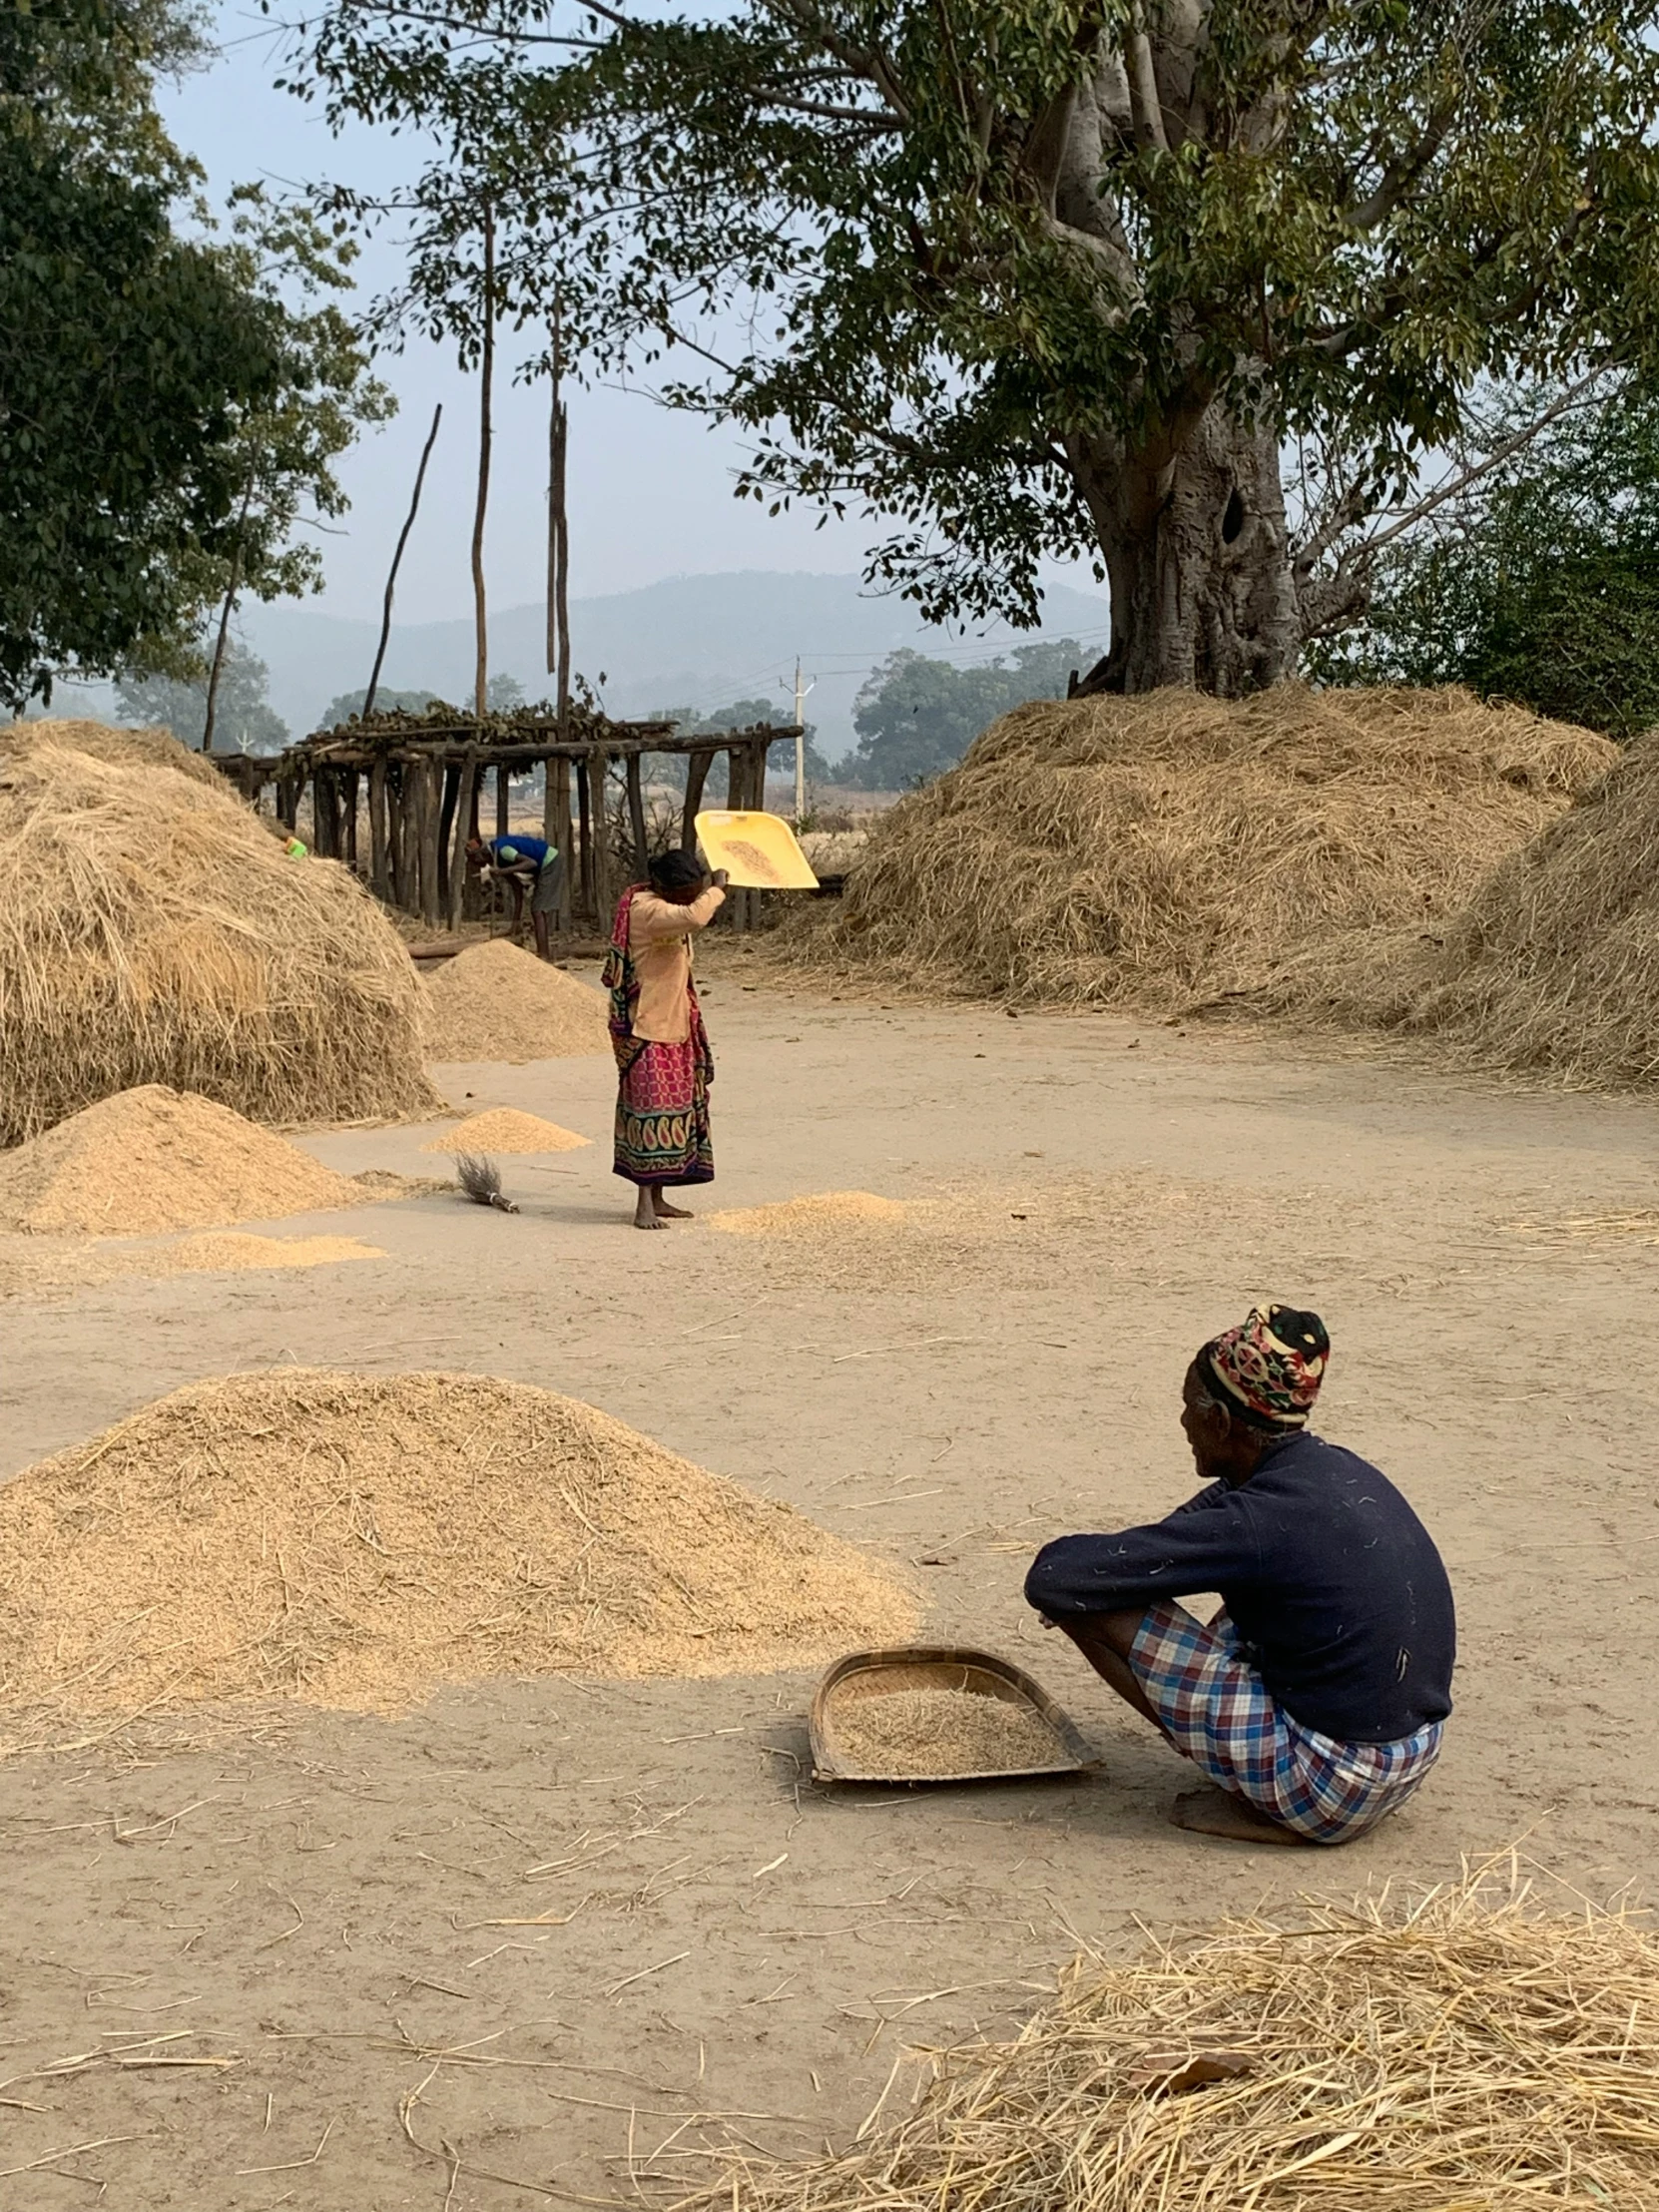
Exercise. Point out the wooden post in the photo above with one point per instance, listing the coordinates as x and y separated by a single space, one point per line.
636 814
589 900
352 778
466 801
558 780
696 775
503 802
432 860
486 375
397 835
598 765
379 872
737 797
446 823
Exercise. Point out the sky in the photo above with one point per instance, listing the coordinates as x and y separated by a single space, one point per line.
649 490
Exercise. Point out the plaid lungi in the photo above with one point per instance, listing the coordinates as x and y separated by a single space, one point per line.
1218 1711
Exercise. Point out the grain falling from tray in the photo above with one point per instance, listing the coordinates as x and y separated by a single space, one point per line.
921 1733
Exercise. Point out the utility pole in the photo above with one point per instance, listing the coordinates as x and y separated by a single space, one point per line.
801 692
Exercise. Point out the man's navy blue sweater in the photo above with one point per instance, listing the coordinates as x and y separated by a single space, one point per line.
1330 1579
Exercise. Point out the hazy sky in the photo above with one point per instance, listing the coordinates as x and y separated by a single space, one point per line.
650 490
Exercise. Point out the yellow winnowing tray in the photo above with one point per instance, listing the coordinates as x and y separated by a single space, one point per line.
758 851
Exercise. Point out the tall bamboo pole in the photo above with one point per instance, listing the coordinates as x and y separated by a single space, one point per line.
486 375
397 562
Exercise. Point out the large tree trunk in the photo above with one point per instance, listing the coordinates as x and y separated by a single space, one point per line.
1196 547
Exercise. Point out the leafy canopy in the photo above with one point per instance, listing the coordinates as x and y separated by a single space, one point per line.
956 263
1540 582
915 717
244 719
165 414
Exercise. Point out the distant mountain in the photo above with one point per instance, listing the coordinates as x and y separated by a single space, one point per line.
689 641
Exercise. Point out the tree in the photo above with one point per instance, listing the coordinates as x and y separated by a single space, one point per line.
1540 582
244 717
163 411
1052 279
350 702
743 714
916 716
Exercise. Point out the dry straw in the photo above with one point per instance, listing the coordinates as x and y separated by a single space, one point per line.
1459 2053
1553 965
353 1540
152 932
1172 846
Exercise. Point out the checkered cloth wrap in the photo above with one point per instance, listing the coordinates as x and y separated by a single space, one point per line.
1219 1713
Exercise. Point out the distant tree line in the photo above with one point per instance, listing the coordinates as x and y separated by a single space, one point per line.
916 716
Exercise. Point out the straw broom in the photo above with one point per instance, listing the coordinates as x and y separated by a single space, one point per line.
1462 2052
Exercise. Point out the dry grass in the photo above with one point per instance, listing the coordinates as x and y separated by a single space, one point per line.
152 932
913 1734
1551 968
1457 2053
1170 847
355 1541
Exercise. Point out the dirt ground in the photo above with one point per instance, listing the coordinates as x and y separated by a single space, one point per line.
512 1946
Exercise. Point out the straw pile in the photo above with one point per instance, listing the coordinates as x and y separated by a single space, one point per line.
505 1129
495 1001
1553 965
154 1159
1454 2054
1172 846
153 932
911 1734
353 1540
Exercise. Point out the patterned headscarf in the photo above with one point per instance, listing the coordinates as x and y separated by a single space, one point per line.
1270 1366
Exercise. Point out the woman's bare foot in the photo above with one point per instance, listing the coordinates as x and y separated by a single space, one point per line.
645 1213
666 1212
1218 1812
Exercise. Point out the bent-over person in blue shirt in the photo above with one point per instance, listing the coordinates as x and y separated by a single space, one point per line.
524 863
1316 1697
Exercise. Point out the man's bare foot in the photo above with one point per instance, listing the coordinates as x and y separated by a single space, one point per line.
666 1212
1216 1812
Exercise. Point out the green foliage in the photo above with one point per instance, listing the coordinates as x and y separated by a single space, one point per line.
743 714
984 260
1540 583
164 413
243 717
386 701
916 716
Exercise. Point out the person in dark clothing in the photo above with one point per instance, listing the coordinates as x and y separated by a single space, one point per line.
1317 1698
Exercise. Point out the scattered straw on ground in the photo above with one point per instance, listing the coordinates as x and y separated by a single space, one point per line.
152 932
807 1217
1172 848
1552 968
231 1251
154 1159
52 1267
504 1129
1450 2054
904 1734
353 1540
497 1001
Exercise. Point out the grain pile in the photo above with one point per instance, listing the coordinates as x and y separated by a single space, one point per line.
353 1540
154 1159
495 1001
1170 847
813 1217
1553 965
505 1129
914 1734
1447 2053
52 1267
152 932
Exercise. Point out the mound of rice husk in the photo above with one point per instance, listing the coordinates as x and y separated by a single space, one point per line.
353 1540
1171 847
505 1129
495 1001
153 932
154 1159
233 1252
807 1217
1553 965
1450 2054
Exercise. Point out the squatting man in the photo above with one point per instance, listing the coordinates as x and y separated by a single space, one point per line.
1316 1697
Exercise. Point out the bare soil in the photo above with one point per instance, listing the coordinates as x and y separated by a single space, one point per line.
486 1953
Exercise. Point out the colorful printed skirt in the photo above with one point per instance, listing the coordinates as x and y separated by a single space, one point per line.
661 1110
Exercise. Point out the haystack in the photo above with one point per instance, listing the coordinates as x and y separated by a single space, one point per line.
153 1159
353 1540
1553 965
1171 847
1452 2054
495 1001
153 932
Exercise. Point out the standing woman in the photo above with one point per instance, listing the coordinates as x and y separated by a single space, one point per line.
661 1049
